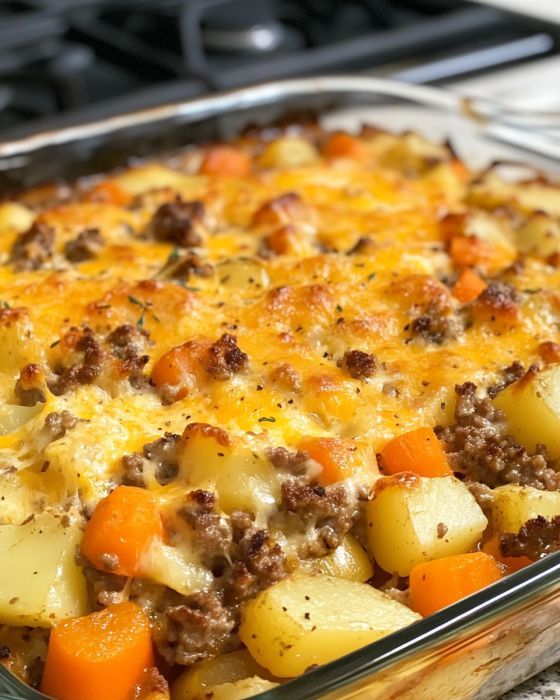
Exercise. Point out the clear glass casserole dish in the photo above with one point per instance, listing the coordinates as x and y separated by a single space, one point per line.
489 642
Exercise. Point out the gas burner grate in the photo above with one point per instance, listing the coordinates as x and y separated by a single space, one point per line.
70 60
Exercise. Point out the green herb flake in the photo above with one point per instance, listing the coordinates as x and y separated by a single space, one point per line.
267 419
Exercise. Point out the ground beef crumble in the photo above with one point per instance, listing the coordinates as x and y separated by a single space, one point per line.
327 513
435 327
359 364
224 358
211 532
162 453
536 538
33 248
295 463
85 246
509 375
176 222
57 423
479 447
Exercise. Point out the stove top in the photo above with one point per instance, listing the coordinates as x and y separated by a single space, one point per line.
64 61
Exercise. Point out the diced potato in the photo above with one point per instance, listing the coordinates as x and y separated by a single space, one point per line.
17 342
288 152
539 235
44 585
306 620
13 416
513 505
15 218
227 676
242 273
532 408
414 519
242 479
149 177
173 567
349 560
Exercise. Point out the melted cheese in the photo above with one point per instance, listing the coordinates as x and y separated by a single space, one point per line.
305 308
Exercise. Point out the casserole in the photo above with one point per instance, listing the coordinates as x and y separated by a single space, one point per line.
345 678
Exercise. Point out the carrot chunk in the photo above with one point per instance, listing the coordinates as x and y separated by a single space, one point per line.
340 459
470 251
469 286
226 160
99 656
110 192
436 584
418 451
180 368
121 529
511 564
345 146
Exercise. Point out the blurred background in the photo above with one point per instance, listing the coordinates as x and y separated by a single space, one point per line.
63 61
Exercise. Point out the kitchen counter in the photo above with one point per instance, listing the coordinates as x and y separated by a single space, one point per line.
543 686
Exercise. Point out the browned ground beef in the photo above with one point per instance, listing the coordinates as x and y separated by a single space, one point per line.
33 248
181 267
435 326
295 463
211 532
327 512
359 364
85 246
536 538
176 222
198 629
162 452
479 447
88 358
224 358
58 423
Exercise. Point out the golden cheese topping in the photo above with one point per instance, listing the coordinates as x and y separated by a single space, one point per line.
303 262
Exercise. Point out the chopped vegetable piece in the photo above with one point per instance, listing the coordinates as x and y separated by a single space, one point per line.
418 451
340 459
469 286
226 160
121 530
492 547
436 584
306 620
345 146
470 251
178 369
99 656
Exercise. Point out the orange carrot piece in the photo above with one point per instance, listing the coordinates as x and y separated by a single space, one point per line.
436 584
511 564
418 451
122 525
468 287
345 146
110 192
180 368
226 160
470 251
101 656
340 459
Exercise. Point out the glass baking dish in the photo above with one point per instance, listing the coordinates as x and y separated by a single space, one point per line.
496 638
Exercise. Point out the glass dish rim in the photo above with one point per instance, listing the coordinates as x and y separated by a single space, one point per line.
500 597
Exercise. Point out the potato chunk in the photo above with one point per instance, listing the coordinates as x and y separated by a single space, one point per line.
306 620
349 560
413 519
214 461
532 408
230 676
513 505
44 585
